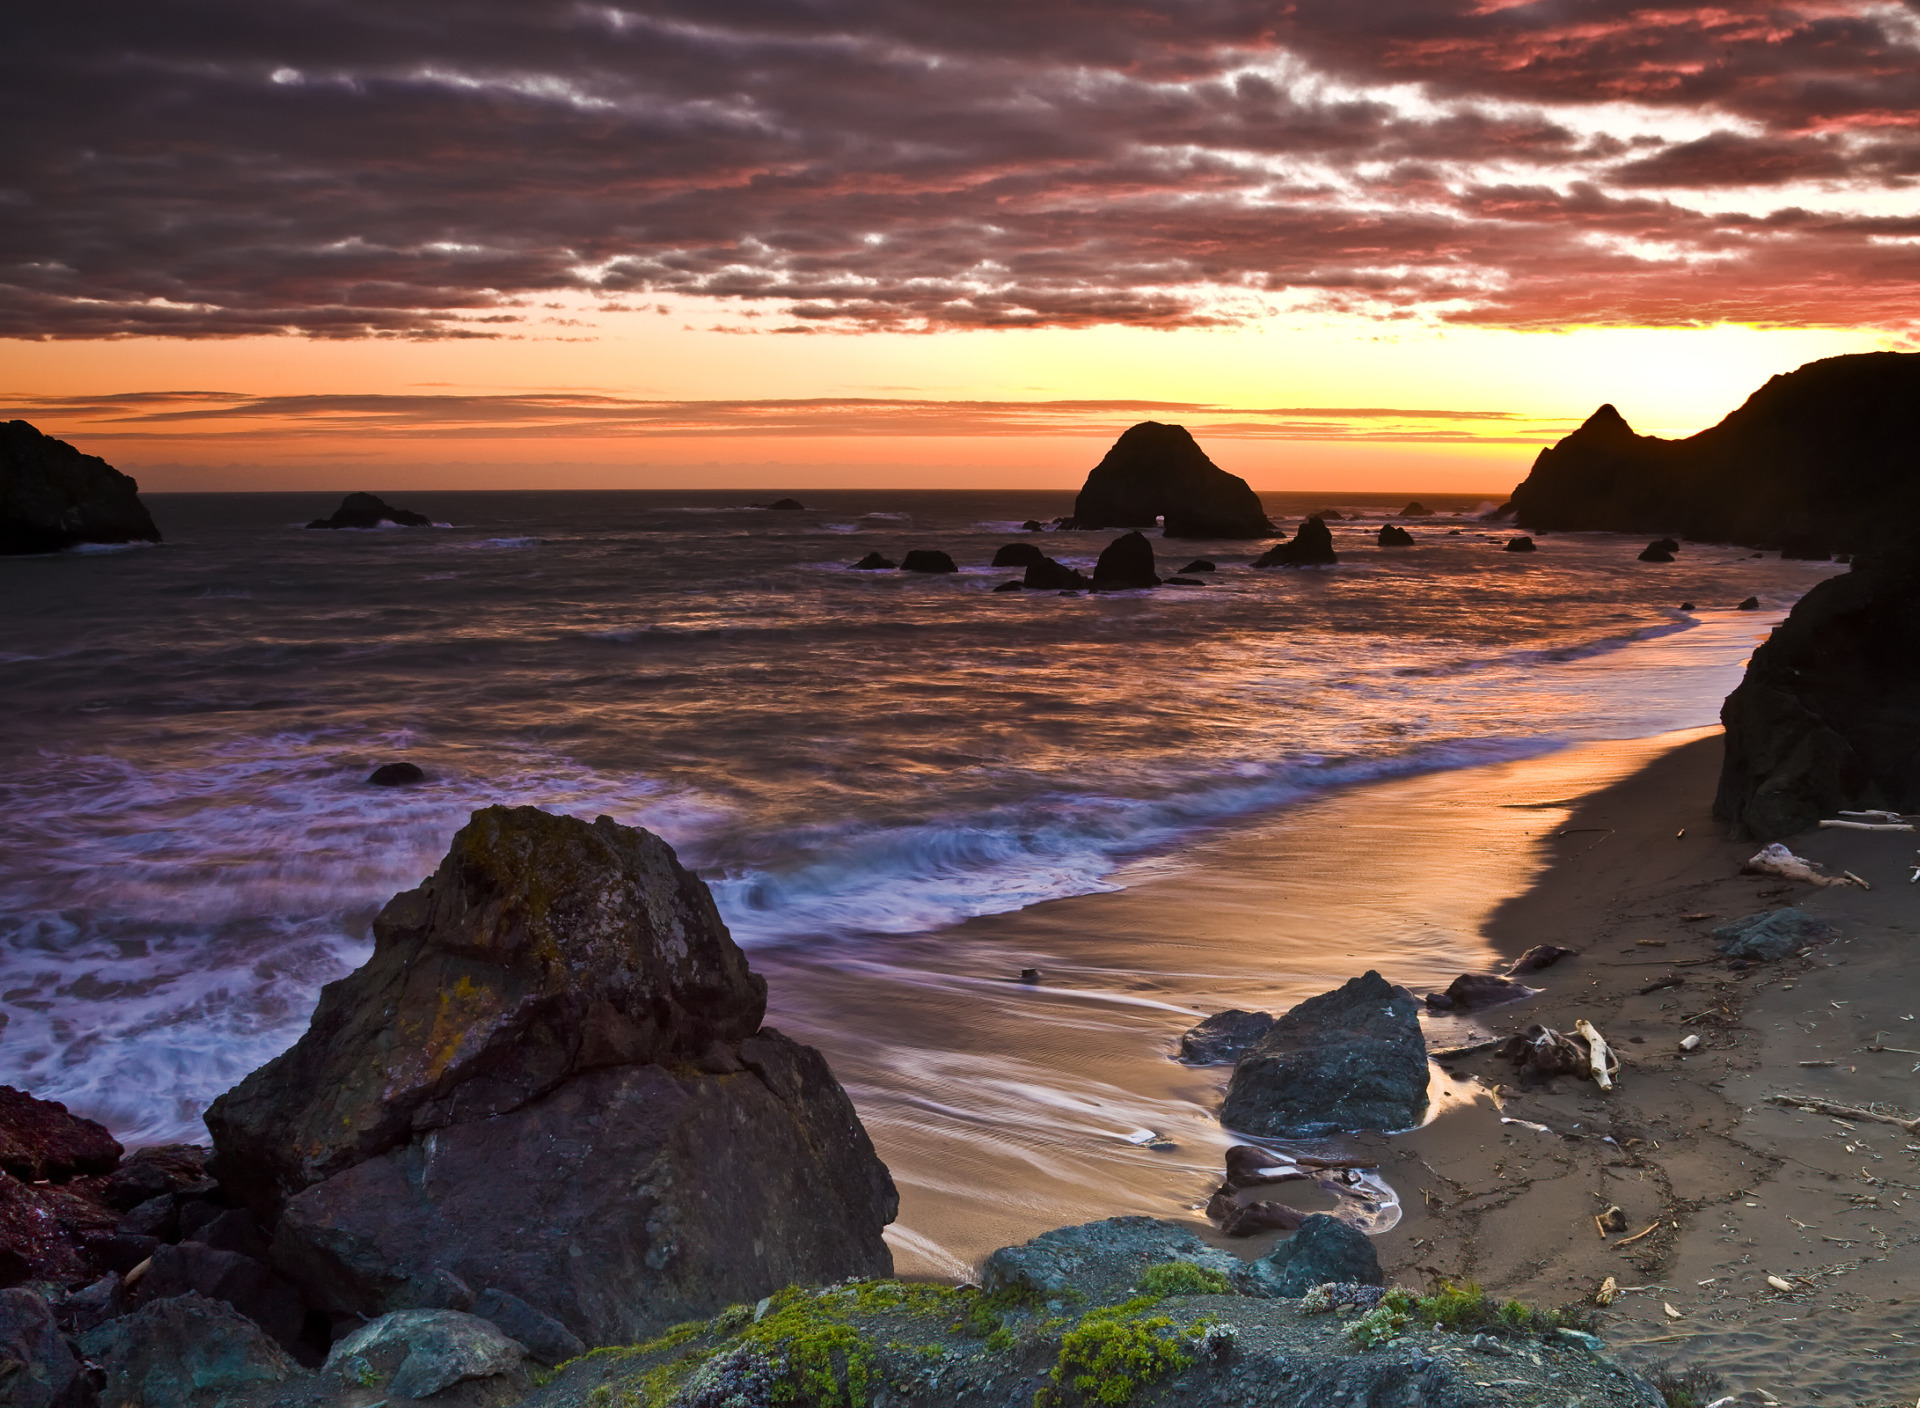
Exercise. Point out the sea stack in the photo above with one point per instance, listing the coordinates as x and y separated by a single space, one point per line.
370 511
52 497
1158 471
1311 546
1828 714
551 1080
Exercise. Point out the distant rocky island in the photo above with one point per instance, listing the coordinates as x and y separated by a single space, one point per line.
52 497
1811 464
1157 472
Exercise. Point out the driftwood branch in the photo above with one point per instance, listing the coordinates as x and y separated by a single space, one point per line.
1605 1063
1866 826
1845 1112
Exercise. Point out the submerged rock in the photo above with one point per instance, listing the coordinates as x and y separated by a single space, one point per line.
1224 1037
1324 1249
1311 546
1392 535
396 775
1655 552
1521 544
927 560
1764 938
1538 958
550 1080
1751 603
1156 471
875 562
370 511
1415 509
1827 715
1018 555
1350 1059
1199 564
1048 575
785 506
1125 564
52 497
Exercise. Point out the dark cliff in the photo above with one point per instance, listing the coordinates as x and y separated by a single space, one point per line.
53 497
1158 471
1817 455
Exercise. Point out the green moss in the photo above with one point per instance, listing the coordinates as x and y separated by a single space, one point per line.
822 1359
1183 1278
986 1311
1113 1353
1691 1388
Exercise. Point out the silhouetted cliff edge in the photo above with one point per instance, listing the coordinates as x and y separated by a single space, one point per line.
1811 461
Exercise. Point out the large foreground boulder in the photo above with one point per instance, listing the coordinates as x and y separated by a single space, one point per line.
1324 1249
184 1352
1311 546
1158 471
53 497
551 1080
370 511
1125 564
1350 1059
43 1140
1828 715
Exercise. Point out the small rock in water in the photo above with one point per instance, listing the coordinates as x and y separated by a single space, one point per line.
927 560
1521 544
1686 606
1752 603
370 511
1470 991
1657 552
1032 525
396 775
1011 587
1416 509
785 505
875 562
1029 975
1538 957
1392 535
1018 555
1221 1038
1199 564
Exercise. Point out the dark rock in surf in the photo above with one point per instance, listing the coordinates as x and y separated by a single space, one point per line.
1825 451
1471 991
1665 544
1752 603
1686 606
1018 555
41 1140
1328 515
1415 509
1521 544
927 560
1654 552
784 506
1048 575
874 562
396 775
1827 716
1392 535
1011 587
1199 564
1539 958
1324 1249
1125 564
1156 471
1350 1059
1224 1037
1182 582
1032 525
1311 546
52 497
529 1086
368 511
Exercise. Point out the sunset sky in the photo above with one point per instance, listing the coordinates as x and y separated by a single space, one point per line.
1392 244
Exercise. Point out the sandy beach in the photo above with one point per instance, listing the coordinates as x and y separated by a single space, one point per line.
1606 848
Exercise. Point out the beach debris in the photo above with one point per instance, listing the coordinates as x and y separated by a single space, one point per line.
1538 957
1672 982
1779 1283
1526 1124
1443 1053
1696 918
1690 1042
1600 1057
1849 875
1844 825
1029 975
1608 1293
1672 1314
1608 1222
1546 1052
1650 943
1778 860
1248 1166
1646 1231
1872 815
1815 1106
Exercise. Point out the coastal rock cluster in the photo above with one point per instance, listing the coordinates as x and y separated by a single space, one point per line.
1828 714
52 497
1814 461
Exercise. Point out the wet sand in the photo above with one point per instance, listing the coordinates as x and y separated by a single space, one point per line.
1004 1109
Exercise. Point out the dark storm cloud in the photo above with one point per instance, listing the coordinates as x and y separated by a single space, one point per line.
344 169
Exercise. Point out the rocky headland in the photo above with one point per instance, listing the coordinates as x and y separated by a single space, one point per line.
1816 460
1158 472
52 497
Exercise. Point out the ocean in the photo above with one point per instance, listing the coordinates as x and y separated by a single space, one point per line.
864 766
